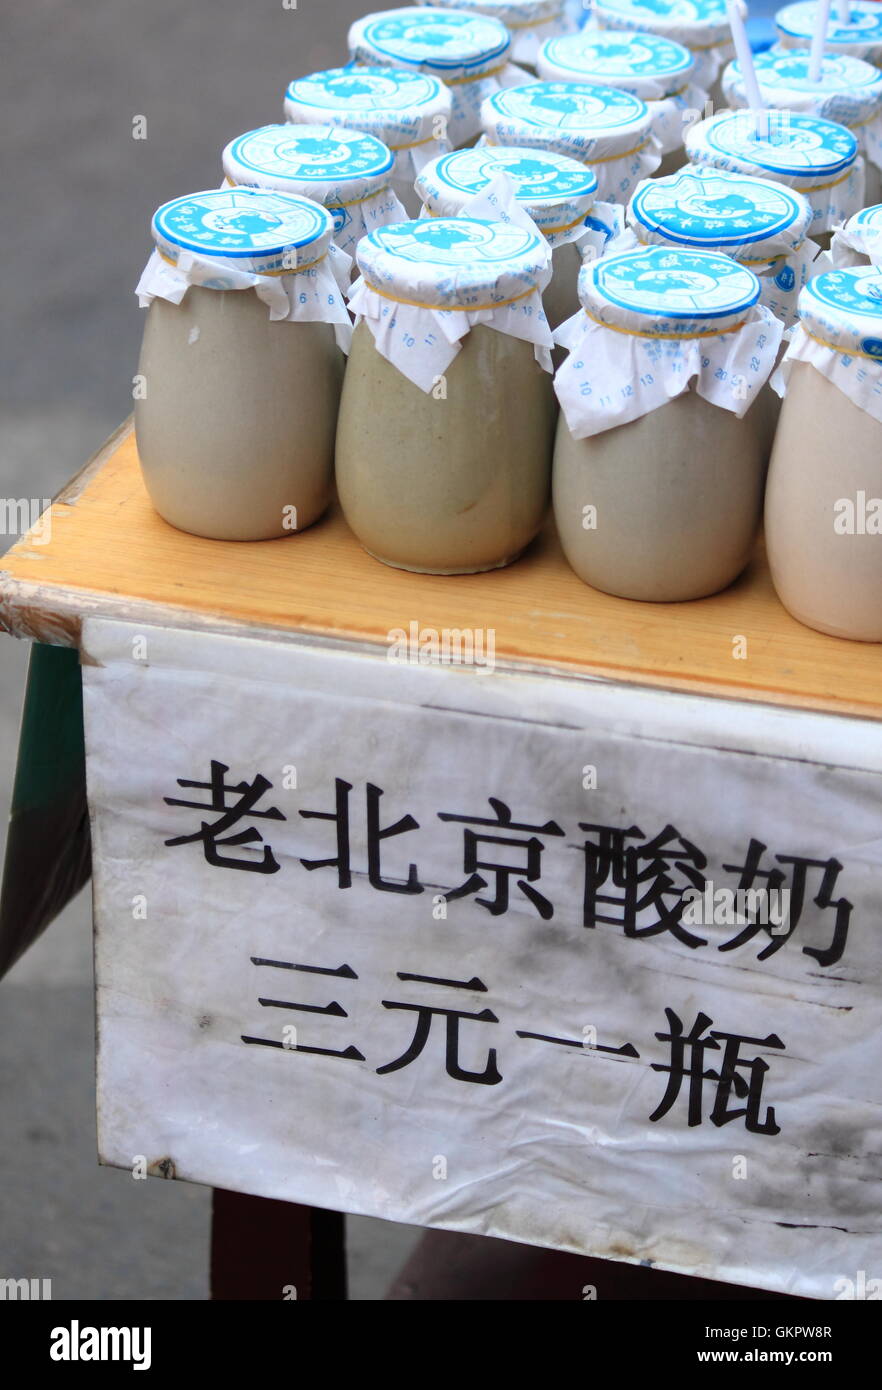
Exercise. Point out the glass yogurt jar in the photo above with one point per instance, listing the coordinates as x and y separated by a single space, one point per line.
813 156
469 52
241 364
656 69
702 25
659 463
848 91
409 112
557 192
859 242
447 418
607 129
529 22
861 36
824 498
344 170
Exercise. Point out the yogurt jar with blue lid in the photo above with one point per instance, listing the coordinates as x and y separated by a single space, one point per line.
660 458
824 500
603 127
859 242
558 193
469 52
701 25
656 69
241 362
759 223
861 36
849 91
408 111
446 423
818 158
347 171
529 22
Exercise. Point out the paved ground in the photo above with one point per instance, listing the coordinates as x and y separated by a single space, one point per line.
79 195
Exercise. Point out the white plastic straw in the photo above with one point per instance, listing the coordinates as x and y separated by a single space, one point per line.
822 19
844 11
744 55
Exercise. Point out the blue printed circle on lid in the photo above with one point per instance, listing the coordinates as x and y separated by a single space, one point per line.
538 176
306 154
240 224
612 57
788 71
433 38
868 217
365 90
698 207
663 284
801 145
864 23
689 21
523 13
844 309
570 106
450 262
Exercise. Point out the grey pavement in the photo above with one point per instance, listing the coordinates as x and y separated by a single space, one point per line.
78 197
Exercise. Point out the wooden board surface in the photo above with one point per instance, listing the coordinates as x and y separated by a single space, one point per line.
111 554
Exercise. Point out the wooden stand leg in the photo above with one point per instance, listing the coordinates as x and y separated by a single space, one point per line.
269 1251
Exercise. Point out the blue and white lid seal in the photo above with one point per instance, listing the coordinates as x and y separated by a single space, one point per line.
558 193
840 335
849 91
346 171
759 223
861 36
408 111
657 322
529 22
469 52
656 69
607 129
701 25
424 285
277 244
816 157
859 241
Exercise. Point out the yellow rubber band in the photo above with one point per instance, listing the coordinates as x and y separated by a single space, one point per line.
841 351
817 187
535 23
456 308
414 144
294 270
475 77
669 337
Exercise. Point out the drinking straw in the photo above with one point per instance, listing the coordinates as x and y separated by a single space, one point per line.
844 11
822 19
744 54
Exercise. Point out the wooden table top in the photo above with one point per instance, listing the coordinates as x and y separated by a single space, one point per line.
111 555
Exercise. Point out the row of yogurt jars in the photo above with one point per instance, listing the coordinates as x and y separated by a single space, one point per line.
444 442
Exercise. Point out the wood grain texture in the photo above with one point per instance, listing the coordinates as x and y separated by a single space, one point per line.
110 554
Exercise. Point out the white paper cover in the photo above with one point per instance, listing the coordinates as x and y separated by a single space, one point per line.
407 111
814 156
529 22
861 36
701 25
426 284
860 240
471 53
605 128
670 321
840 335
849 91
558 193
